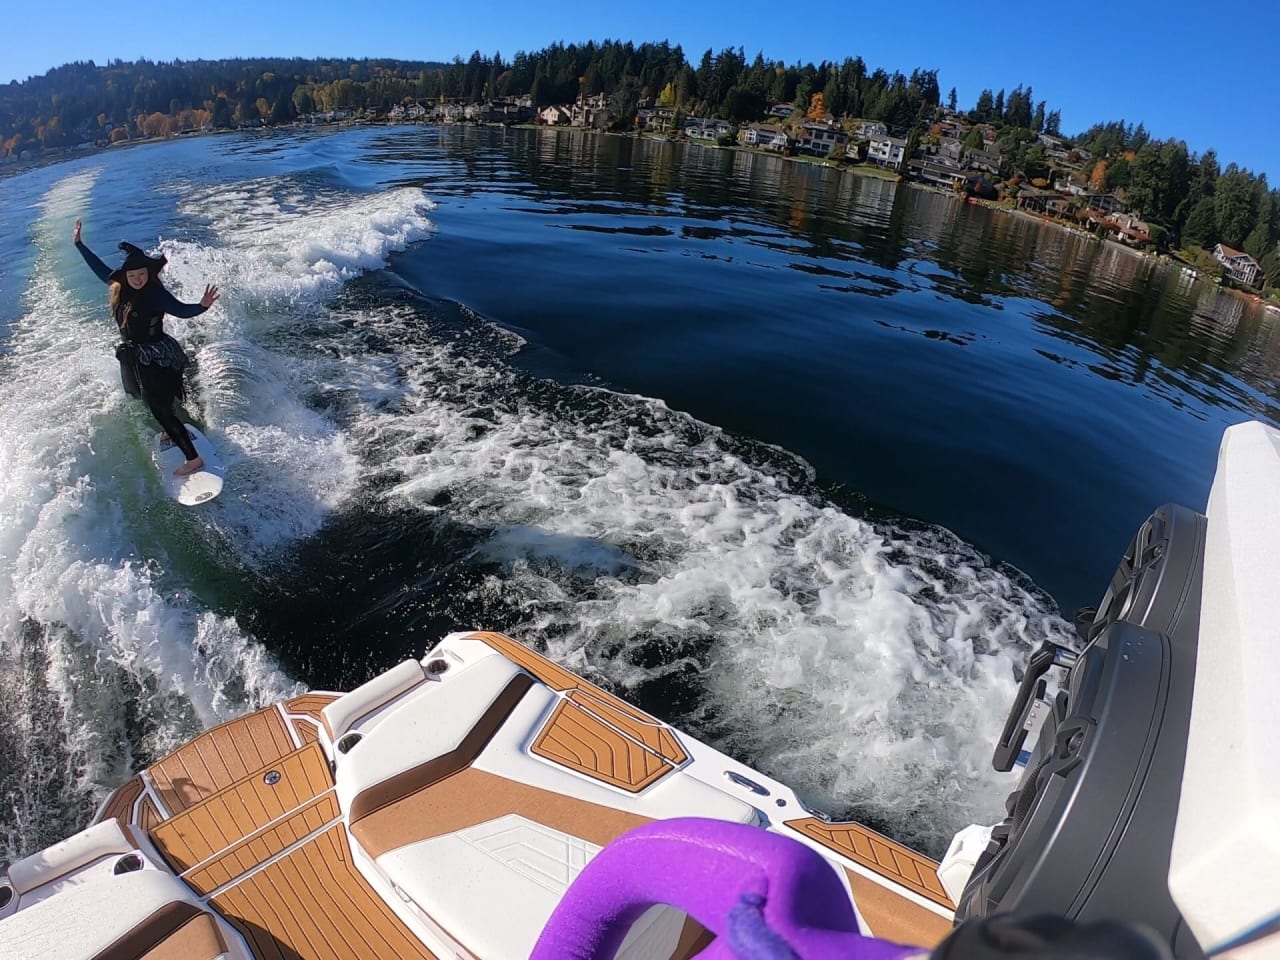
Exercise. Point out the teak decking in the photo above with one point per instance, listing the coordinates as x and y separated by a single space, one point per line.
247 815
253 825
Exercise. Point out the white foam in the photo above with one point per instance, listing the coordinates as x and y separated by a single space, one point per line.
306 245
280 257
77 516
869 667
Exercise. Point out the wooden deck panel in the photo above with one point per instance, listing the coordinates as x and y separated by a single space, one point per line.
654 735
473 796
306 714
309 704
580 741
877 852
263 845
632 720
314 905
149 816
119 805
219 757
893 917
239 810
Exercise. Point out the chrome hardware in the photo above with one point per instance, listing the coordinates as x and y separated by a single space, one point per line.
746 783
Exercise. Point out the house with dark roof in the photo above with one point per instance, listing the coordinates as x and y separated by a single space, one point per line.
766 135
887 151
1240 266
818 139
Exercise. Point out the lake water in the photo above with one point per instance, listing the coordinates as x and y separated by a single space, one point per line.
803 461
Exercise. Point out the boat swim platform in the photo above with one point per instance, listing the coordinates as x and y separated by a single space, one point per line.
247 815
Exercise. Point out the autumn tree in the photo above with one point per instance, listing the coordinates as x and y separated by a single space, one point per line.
817 107
1097 179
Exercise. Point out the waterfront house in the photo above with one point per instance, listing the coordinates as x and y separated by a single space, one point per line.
1033 198
696 128
927 171
950 153
765 135
866 129
1127 228
1240 266
986 160
818 139
1104 202
555 116
887 151
654 118
448 112
407 111
1070 185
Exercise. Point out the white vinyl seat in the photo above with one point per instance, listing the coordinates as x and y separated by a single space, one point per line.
80 850
533 826
147 912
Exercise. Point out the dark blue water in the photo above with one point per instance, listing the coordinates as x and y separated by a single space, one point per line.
804 461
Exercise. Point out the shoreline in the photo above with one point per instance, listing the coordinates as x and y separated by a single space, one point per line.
864 170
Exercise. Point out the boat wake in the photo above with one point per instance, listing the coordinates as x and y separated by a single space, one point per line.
709 578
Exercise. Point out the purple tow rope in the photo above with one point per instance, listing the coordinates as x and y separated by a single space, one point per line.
750 937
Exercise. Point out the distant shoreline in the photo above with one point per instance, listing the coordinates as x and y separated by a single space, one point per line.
865 171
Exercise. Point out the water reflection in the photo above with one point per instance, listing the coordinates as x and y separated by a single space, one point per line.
1143 321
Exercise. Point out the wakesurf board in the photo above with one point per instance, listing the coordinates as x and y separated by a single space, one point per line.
195 488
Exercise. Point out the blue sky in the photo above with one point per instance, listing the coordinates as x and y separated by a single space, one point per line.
1205 73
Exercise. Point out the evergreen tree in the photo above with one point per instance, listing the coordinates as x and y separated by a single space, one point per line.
983 109
1201 226
283 110
951 100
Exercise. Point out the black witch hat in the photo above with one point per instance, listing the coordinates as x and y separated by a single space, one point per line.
136 259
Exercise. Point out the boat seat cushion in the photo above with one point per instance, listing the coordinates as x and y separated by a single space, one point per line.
431 732
341 714
147 912
525 867
104 839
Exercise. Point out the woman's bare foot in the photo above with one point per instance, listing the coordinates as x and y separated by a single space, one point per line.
191 466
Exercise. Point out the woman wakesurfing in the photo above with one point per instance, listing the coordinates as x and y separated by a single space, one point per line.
151 361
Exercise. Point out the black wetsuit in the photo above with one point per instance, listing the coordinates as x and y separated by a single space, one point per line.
151 361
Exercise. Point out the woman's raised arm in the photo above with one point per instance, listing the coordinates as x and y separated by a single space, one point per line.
102 271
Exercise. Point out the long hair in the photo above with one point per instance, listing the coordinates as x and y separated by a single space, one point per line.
120 295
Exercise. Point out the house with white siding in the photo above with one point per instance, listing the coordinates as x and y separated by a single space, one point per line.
886 151
1240 266
765 135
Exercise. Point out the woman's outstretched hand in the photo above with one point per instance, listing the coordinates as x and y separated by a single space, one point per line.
210 292
75 232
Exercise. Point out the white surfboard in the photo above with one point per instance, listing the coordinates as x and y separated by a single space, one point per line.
195 488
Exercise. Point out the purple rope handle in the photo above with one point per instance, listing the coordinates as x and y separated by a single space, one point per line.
764 896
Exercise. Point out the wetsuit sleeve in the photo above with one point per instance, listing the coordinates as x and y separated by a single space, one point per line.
102 271
176 308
